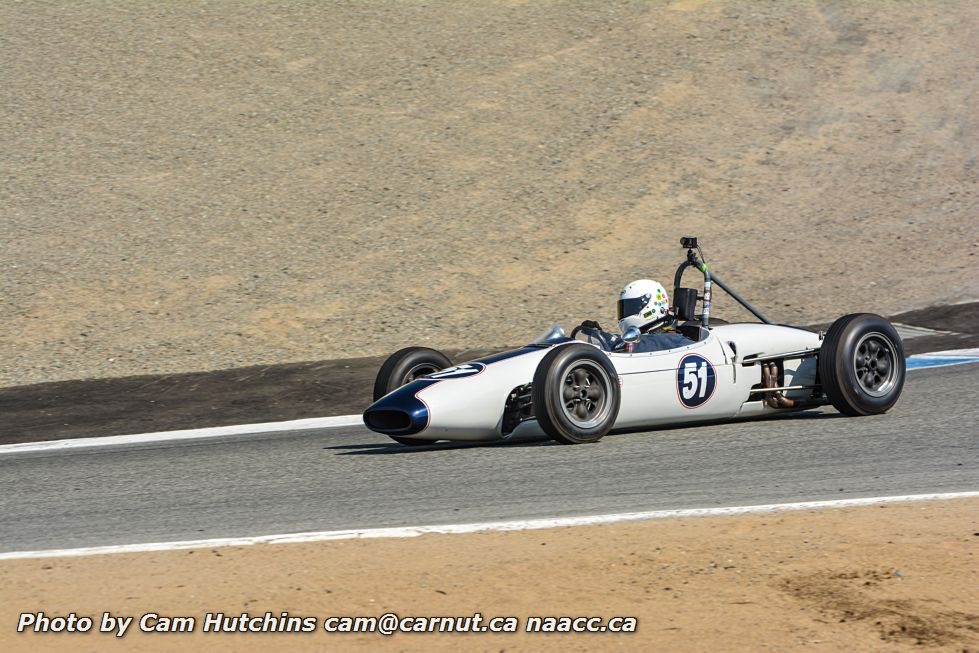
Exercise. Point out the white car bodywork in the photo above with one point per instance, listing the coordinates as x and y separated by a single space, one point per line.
674 386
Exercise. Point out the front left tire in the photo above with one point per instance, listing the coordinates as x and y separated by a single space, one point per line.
576 394
401 368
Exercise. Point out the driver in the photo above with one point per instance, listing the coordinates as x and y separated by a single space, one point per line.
645 305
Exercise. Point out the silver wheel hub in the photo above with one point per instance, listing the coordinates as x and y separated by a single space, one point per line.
585 394
418 371
875 364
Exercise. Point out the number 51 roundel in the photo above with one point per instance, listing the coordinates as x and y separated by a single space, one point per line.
695 380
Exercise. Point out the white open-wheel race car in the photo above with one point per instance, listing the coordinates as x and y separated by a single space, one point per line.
577 388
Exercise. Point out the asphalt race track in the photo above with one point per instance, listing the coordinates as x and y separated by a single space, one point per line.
351 478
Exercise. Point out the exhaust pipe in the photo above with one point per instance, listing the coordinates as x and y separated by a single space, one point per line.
769 378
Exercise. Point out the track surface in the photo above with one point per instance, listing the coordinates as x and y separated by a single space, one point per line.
351 478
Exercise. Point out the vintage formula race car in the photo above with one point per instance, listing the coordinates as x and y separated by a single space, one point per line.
577 388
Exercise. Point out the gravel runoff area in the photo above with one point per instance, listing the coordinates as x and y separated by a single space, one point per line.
203 185
894 577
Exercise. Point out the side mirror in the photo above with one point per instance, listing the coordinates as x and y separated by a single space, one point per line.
632 334
685 303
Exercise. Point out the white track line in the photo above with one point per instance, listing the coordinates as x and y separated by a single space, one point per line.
189 434
517 525
906 331
943 358
966 355
943 364
949 353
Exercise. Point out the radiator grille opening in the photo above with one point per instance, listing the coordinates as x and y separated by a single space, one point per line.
388 420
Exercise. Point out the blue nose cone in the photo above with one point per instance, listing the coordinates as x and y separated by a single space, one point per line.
400 412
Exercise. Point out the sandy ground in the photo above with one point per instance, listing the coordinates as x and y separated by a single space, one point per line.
200 185
896 577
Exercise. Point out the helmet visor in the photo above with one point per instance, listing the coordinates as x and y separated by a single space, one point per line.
632 306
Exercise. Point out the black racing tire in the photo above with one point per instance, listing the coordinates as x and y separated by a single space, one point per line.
861 364
401 368
576 394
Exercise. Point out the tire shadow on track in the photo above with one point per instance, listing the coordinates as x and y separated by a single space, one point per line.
383 449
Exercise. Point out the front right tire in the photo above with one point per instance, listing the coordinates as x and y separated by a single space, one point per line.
861 364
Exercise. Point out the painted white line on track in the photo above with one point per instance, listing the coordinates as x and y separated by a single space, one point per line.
943 358
516 525
189 434
949 353
906 331
917 361
913 365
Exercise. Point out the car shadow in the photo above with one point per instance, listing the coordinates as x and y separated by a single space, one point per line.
386 448
375 449
809 414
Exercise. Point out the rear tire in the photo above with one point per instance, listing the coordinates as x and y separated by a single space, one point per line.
861 365
401 368
576 394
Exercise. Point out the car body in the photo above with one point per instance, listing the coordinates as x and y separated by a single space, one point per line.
728 371
706 380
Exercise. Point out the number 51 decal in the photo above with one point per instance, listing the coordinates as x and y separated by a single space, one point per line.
695 380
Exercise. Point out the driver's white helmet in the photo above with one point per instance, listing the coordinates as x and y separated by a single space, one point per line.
641 303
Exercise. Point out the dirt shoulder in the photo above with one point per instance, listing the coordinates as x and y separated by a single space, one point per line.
209 185
166 402
891 577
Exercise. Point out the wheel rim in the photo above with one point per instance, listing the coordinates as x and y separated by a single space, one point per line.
419 371
875 364
585 394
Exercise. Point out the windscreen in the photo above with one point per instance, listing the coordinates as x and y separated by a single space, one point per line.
553 333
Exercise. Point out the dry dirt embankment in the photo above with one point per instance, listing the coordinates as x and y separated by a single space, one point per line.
897 577
194 186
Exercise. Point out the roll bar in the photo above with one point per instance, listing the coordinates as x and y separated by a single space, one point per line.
709 279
